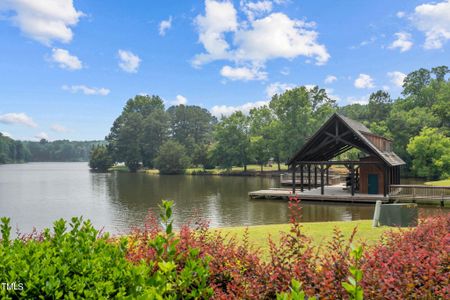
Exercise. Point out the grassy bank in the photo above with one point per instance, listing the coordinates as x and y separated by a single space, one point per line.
251 169
319 232
444 182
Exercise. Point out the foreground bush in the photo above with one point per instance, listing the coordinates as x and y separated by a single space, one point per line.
408 264
69 264
80 263
197 263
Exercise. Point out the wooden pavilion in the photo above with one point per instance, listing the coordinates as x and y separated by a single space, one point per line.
371 174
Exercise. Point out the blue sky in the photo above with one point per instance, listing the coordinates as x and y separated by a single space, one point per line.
68 67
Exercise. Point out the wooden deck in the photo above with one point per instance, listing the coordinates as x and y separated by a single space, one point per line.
333 193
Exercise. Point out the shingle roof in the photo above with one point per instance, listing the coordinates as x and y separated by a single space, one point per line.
322 147
389 157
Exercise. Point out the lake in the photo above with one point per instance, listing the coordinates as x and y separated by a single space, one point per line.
36 194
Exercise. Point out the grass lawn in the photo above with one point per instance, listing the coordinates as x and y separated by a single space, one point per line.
217 171
320 232
444 182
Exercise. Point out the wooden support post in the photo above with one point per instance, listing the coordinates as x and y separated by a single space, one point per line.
328 175
357 182
352 179
294 166
315 176
322 180
309 176
386 182
301 178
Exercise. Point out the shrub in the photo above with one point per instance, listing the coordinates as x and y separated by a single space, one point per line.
83 264
67 264
410 264
99 159
172 158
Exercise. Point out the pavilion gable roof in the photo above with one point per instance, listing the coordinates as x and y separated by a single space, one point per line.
338 135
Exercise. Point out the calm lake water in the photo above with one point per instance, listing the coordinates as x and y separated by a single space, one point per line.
36 194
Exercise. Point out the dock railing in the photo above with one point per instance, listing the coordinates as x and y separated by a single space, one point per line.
420 193
286 179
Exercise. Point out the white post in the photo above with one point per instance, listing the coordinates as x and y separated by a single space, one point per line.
376 214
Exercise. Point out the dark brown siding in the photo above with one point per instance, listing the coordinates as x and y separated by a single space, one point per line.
365 170
380 142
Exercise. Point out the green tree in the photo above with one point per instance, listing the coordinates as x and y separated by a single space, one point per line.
138 132
430 152
192 127
263 135
172 158
379 106
232 147
128 143
440 72
100 160
405 124
415 81
300 111
260 150
356 111
154 133
441 107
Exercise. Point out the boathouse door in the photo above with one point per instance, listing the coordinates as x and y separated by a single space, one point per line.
372 184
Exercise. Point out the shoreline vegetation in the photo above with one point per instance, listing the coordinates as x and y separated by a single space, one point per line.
254 170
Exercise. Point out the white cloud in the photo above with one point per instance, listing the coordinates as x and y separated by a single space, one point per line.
278 88
58 128
4 133
129 62
42 135
330 79
278 36
164 26
65 60
285 71
403 41
179 100
433 19
331 95
397 78
358 100
243 73
219 18
364 81
256 9
256 40
400 14
86 90
225 110
17 118
43 20
364 43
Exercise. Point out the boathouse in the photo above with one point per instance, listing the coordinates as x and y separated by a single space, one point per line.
377 168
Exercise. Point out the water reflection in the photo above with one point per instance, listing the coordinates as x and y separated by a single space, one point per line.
36 194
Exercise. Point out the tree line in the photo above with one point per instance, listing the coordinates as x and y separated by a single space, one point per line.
12 151
148 135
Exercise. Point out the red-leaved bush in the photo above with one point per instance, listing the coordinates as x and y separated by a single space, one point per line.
412 264
407 264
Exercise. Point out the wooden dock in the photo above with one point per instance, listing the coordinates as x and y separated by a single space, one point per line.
333 193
